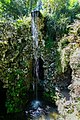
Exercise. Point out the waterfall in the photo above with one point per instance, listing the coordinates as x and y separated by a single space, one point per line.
35 50
37 107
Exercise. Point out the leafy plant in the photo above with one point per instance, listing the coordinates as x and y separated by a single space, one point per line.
50 95
16 94
14 63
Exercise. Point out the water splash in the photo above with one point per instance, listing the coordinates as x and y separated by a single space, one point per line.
36 104
39 109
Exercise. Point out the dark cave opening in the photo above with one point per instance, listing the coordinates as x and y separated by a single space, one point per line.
41 69
67 79
2 99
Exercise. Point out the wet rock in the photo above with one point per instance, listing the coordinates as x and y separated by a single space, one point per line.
75 65
36 104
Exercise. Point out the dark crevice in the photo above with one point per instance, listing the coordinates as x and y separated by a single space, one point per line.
41 69
65 83
2 99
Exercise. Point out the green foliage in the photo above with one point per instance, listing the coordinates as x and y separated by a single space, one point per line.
31 4
59 14
68 46
56 27
64 53
50 95
16 44
78 16
72 3
16 94
53 6
63 43
58 66
16 8
19 8
15 54
51 45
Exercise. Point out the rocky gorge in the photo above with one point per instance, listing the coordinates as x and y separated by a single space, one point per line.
59 65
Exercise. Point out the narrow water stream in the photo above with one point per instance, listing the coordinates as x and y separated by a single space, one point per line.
38 109
35 52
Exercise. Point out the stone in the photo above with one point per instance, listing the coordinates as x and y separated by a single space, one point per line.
75 65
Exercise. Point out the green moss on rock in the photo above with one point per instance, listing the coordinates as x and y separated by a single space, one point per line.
15 54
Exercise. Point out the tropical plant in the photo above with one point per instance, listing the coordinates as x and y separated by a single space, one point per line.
16 8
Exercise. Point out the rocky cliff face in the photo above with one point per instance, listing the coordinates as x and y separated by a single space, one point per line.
15 61
75 66
61 61
69 47
70 54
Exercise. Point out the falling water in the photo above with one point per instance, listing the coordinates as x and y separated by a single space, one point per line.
36 108
35 50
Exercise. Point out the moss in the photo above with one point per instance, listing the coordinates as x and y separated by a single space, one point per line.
16 50
68 45
58 67
50 96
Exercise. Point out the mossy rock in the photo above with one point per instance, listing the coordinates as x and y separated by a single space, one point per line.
75 59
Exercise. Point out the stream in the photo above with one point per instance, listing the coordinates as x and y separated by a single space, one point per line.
38 109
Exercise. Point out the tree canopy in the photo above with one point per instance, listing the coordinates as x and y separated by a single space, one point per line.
16 8
19 8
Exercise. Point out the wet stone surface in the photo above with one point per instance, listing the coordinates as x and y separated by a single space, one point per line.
38 110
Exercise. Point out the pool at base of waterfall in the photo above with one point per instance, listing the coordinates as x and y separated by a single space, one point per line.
38 110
